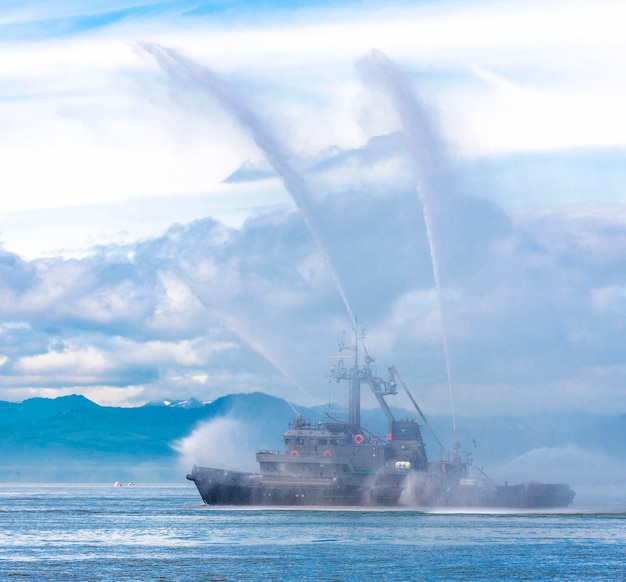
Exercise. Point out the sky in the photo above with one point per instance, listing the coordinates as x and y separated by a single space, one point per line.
197 197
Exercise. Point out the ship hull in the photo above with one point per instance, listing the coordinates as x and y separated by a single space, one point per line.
417 489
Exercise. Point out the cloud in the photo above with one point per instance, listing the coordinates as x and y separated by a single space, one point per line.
533 303
524 77
131 267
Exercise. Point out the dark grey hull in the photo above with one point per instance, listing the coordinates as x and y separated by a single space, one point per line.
220 487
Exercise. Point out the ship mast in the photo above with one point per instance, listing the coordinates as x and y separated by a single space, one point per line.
354 376
358 374
354 401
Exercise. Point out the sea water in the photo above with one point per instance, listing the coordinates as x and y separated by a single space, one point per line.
160 532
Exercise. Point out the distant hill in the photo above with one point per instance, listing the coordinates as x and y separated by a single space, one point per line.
73 439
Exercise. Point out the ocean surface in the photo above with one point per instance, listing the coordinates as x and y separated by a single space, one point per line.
161 532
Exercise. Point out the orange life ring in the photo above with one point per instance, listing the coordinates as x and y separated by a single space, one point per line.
328 453
359 438
294 452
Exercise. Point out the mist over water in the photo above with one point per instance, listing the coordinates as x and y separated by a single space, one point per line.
222 443
597 478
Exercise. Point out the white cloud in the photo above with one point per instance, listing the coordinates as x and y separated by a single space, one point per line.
87 124
99 149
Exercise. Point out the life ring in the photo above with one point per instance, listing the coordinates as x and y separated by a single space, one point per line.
294 453
358 439
328 453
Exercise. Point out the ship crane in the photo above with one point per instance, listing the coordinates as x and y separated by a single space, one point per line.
393 372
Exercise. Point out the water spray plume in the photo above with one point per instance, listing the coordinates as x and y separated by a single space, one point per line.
425 151
437 278
186 71
236 329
